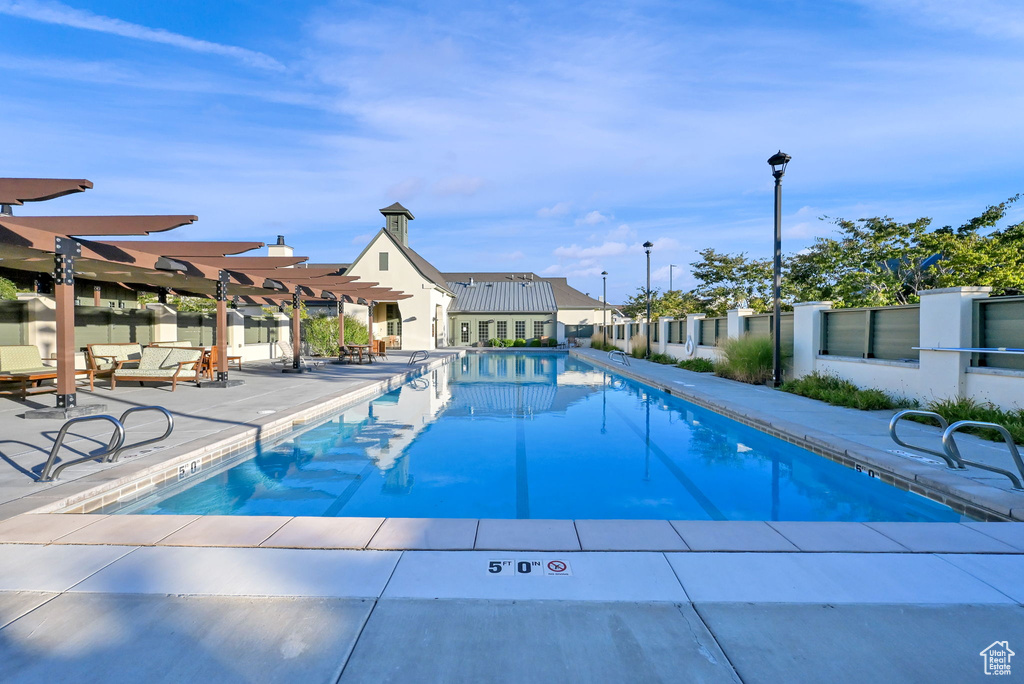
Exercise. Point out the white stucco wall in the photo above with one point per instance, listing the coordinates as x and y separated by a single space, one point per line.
417 312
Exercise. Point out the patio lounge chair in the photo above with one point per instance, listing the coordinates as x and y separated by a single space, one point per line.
102 359
288 354
21 364
161 364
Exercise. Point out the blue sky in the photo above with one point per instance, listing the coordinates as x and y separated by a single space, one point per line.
542 136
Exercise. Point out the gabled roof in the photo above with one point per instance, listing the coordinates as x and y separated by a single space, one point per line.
424 267
397 208
566 296
504 296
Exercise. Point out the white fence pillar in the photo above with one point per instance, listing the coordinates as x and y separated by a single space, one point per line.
663 326
807 335
165 323
693 328
946 321
42 323
236 332
734 325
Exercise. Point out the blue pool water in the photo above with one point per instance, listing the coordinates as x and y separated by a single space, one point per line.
506 435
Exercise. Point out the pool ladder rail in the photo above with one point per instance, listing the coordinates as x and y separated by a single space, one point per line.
416 356
951 453
115 447
620 356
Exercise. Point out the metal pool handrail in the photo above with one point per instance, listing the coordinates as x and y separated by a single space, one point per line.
951 461
950 445
116 440
114 455
412 359
618 355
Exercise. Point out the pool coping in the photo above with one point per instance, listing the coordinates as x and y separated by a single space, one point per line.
512 536
965 496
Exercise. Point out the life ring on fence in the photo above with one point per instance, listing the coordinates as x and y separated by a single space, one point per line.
689 345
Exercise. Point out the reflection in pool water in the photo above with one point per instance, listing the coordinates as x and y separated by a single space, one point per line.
506 435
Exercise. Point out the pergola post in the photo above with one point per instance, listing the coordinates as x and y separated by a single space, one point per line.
222 325
65 251
296 366
221 296
341 322
369 324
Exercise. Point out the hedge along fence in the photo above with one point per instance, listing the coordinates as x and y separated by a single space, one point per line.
198 328
889 332
13 322
97 325
713 331
260 329
762 325
999 322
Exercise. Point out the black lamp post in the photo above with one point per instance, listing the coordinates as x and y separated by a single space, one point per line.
604 311
778 161
647 248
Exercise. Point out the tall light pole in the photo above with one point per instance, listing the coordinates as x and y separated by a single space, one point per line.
778 162
670 267
647 248
604 311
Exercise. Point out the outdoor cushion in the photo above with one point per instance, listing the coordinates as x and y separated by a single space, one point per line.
140 373
153 358
181 355
177 343
21 358
120 352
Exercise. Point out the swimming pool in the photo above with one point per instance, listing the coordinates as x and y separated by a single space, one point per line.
535 435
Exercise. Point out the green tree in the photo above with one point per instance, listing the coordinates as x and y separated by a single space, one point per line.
727 281
674 303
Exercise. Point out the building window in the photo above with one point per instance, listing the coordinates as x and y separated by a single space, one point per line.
502 330
383 261
483 328
520 330
538 328
465 333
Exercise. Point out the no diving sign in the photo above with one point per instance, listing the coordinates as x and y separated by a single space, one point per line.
535 568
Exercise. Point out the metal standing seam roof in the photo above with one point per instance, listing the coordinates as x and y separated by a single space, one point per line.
567 296
498 297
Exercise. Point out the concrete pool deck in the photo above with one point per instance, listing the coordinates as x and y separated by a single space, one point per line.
112 598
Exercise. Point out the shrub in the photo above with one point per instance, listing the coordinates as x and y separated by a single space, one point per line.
519 342
8 289
495 342
507 342
551 342
663 358
969 409
747 359
838 392
534 343
697 365
638 346
321 333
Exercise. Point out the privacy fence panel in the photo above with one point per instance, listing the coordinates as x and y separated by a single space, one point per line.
761 325
999 322
876 333
198 328
713 331
579 331
13 322
260 329
97 325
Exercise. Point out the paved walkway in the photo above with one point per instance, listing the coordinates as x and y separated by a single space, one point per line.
163 614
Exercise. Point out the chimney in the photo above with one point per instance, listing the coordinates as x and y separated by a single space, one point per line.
471 283
280 249
397 220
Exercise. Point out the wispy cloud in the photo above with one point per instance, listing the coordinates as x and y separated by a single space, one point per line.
559 209
64 15
593 218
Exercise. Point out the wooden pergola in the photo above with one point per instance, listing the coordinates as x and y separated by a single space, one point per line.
62 245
